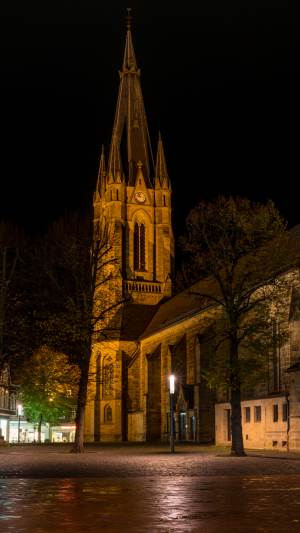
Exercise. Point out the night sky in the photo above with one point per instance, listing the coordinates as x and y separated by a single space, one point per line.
220 80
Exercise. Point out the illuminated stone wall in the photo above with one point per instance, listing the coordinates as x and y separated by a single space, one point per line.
176 346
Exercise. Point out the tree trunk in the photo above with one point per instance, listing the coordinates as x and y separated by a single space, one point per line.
81 403
237 445
40 429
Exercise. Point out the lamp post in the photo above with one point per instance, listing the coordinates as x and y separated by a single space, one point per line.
172 390
20 412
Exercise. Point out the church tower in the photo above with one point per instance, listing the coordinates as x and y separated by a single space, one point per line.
133 197
134 193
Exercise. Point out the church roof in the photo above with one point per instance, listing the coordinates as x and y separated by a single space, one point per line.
182 306
294 368
189 302
135 319
295 231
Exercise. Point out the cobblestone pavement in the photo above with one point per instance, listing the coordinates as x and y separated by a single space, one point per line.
125 460
137 488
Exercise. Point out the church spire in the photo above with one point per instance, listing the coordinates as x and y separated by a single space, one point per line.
161 172
130 124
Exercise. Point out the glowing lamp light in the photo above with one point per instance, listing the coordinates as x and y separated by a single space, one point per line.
172 383
19 407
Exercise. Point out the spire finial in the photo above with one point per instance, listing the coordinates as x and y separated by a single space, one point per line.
129 62
128 18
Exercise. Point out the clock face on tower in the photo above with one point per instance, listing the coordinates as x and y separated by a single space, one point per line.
139 196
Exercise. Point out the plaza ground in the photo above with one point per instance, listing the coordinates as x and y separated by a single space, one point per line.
129 459
141 487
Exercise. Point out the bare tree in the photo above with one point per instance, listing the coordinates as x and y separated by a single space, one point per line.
84 295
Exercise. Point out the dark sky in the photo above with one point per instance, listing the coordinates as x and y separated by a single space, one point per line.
220 80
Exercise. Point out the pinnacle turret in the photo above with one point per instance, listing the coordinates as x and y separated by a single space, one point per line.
161 172
100 187
114 172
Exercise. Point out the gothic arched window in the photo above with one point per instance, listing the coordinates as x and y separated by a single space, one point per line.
108 377
107 414
139 245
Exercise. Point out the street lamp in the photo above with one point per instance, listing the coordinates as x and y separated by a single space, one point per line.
172 391
20 413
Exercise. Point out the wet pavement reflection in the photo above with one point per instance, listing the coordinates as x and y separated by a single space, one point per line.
245 504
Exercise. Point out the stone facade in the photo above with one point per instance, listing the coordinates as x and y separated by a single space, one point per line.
151 334
133 197
175 349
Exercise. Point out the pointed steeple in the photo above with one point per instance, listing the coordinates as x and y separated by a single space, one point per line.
100 187
130 118
161 172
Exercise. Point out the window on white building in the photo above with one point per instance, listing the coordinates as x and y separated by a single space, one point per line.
257 413
247 414
284 412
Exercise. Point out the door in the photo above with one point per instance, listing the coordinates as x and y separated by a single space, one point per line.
182 426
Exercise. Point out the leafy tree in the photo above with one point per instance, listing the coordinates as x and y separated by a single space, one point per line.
48 387
243 249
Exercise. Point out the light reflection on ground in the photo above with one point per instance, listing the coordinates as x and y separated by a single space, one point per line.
238 504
